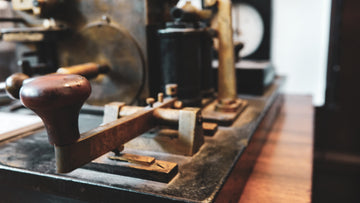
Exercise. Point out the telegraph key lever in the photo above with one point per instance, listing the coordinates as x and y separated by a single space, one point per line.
57 99
89 70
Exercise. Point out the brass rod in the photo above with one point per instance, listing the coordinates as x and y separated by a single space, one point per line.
226 70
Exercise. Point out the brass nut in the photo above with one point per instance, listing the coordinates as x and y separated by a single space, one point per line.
171 89
160 97
178 104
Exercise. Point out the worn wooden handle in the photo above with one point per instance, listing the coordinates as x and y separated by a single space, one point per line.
88 70
57 99
13 84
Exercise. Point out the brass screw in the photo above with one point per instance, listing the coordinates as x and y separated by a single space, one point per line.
178 104
160 97
150 101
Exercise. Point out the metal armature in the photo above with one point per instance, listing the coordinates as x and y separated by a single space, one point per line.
114 134
188 121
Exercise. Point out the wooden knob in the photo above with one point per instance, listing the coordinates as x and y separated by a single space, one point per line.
150 101
57 99
13 84
89 70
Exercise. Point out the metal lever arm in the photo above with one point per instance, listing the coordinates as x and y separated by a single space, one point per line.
105 138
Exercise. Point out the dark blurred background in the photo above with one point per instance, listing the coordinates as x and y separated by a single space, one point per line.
336 169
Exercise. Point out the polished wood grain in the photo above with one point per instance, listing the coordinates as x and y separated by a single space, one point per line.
283 170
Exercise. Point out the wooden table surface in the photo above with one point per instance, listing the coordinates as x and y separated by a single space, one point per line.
283 170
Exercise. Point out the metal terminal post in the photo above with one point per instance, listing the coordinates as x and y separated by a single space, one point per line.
160 97
227 107
171 90
226 70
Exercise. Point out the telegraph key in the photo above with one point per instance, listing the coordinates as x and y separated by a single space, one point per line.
57 99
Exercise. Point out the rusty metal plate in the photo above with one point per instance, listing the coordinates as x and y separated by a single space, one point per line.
109 43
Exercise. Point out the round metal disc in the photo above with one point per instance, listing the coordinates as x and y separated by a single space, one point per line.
106 43
248 28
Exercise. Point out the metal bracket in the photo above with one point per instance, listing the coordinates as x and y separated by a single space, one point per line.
136 166
189 135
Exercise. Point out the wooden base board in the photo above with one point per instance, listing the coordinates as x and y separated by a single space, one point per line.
222 118
156 170
13 125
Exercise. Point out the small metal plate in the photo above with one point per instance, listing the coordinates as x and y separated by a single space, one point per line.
222 118
161 171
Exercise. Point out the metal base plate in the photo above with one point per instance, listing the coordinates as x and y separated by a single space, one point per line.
209 113
156 170
27 165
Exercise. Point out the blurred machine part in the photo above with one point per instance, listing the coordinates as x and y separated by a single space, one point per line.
185 50
252 28
336 161
66 33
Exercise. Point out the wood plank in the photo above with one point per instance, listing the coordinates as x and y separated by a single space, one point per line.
13 125
283 170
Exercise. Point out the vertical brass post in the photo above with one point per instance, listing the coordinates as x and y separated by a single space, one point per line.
226 70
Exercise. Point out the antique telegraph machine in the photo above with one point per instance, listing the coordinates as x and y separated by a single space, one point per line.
117 57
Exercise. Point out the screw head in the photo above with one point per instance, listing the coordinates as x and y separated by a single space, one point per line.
150 101
178 104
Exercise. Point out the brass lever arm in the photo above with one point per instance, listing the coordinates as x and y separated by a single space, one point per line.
110 136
